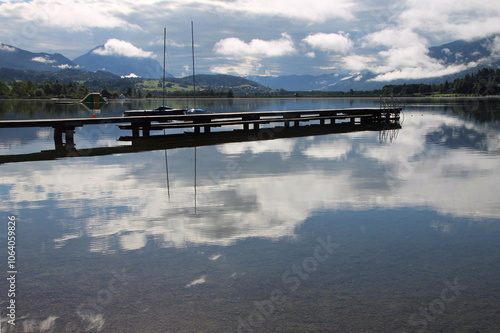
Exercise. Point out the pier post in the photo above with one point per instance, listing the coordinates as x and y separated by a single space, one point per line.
135 131
68 131
70 136
58 132
146 128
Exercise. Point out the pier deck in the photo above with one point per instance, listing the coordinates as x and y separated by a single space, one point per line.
146 124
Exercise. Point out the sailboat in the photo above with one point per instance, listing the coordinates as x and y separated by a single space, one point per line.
194 110
161 110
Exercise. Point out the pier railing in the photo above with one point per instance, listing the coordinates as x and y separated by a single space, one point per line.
389 103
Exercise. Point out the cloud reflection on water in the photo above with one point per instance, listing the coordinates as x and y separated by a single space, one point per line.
272 187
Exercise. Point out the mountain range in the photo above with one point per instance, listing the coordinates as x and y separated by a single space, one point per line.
451 54
121 65
16 58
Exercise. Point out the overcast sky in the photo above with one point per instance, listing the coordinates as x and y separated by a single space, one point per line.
264 37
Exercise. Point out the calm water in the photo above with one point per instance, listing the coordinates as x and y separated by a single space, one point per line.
395 231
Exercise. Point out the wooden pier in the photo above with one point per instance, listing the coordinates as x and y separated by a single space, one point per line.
190 140
197 122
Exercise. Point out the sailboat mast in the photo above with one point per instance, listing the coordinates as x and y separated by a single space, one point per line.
164 61
194 77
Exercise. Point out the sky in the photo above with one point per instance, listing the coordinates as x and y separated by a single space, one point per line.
258 37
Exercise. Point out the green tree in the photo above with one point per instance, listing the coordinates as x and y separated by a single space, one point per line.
105 92
4 90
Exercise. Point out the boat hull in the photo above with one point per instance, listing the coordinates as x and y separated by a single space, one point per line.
173 112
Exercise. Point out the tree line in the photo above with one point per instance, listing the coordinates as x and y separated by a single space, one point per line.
30 89
113 90
485 82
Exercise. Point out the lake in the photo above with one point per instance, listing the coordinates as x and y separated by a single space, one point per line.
370 231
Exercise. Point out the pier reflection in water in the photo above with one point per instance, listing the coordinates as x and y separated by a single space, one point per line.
292 234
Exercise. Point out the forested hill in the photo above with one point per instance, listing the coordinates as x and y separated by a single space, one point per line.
9 75
217 81
28 83
75 84
485 82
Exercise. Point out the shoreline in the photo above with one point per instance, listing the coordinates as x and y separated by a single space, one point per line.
75 100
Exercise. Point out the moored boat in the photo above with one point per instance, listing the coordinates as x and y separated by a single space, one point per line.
159 111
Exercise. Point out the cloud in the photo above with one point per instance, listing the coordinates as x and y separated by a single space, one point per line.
412 73
494 48
337 43
43 60
71 15
235 47
457 19
130 76
312 11
6 48
404 55
393 37
357 62
413 62
329 151
244 68
122 48
66 66
244 27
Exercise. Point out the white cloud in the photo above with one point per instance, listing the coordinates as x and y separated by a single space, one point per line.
456 19
246 58
495 48
43 60
7 48
312 11
245 67
66 66
329 150
357 62
130 76
337 43
406 57
235 47
70 15
281 146
74 27
413 62
393 37
411 73
122 48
